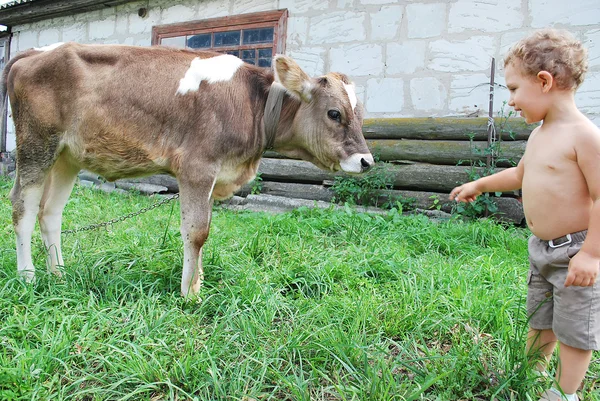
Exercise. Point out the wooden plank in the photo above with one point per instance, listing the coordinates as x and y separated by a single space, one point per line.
226 23
509 209
418 176
46 9
436 152
443 128
442 152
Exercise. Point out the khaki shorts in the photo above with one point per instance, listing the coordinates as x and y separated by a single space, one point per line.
573 313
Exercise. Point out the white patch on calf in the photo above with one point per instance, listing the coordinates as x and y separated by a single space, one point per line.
353 164
214 69
49 47
351 95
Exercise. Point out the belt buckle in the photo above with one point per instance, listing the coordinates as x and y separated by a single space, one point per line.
568 241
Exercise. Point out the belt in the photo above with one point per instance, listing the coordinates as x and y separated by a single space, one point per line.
567 239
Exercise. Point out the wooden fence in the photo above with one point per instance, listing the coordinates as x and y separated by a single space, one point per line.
425 158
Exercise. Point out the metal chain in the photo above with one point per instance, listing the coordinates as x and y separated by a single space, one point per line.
122 218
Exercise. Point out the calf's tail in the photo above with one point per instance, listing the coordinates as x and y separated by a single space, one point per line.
4 84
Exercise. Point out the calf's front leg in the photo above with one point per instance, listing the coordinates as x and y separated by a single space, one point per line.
196 209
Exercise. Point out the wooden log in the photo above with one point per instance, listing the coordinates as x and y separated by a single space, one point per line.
144 188
443 152
509 209
444 128
418 176
292 170
437 151
162 180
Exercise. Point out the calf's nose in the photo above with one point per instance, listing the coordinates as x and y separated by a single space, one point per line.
365 164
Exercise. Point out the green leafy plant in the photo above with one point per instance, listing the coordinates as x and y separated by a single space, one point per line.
436 203
486 203
256 185
366 189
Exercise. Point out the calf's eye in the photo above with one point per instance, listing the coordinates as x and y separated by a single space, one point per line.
335 115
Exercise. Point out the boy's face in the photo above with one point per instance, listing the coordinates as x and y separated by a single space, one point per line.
526 93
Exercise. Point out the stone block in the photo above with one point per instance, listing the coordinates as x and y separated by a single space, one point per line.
405 58
49 37
338 27
138 24
385 95
303 6
427 94
297 33
27 40
178 13
587 96
310 59
426 20
546 13
252 6
357 59
473 54
469 93
385 23
76 32
485 16
592 42
213 9
102 29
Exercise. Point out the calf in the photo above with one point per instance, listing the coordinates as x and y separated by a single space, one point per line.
205 118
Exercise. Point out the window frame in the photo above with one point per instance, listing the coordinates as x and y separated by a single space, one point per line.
276 19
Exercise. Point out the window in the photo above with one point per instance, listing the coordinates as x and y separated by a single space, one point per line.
254 38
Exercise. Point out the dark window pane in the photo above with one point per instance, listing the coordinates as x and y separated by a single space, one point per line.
250 61
199 41
232 52
231 38
261 35
264 57
249 54
265 53
264 62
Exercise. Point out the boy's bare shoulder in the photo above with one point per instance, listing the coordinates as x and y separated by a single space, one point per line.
587 130
534 132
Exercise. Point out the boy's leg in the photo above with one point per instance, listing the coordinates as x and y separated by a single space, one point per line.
572 367
540 346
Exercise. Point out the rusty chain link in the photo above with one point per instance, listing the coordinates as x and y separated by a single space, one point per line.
122 218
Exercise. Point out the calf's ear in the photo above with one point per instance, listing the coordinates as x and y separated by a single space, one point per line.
290 75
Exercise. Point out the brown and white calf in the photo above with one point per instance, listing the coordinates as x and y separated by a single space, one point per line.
205 118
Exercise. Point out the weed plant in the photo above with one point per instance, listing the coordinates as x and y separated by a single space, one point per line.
308 305
367 189
486 202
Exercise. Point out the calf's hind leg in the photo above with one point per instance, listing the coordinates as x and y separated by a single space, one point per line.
57 188
37 150
25 197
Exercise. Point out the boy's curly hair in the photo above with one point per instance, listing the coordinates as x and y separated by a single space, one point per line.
552 50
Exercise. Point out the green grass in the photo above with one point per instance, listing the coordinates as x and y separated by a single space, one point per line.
309 305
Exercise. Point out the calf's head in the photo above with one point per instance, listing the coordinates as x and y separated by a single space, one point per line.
327 127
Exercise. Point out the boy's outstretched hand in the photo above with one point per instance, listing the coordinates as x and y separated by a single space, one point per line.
465 193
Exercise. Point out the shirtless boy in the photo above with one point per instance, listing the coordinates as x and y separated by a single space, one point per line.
560 179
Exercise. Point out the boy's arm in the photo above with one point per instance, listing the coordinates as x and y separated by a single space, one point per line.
583 268
506 180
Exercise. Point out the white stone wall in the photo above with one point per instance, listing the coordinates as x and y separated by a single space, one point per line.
408 58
